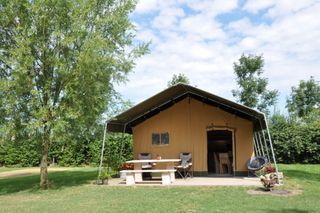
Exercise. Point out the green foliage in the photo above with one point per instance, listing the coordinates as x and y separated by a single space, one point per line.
297 138
180 78
118 149
304 98
252 90
58 63
24 153
74 148
296 141
105 174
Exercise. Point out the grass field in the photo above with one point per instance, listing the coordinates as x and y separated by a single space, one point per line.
6 169
73 191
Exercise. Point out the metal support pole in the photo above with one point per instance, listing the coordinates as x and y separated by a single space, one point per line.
265 141
261 144
102 149
121 148
271 146
266 147
255 147
257 143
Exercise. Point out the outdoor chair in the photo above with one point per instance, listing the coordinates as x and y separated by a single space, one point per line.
184 168
256 163
224 163
145 156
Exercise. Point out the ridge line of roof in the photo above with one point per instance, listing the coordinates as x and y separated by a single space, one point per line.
145 100
192 90
249 108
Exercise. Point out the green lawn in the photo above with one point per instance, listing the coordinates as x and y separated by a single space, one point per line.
73 191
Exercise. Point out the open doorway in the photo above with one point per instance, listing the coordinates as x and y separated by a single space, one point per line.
220 152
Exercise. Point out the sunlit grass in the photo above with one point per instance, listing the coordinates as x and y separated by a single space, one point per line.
74 191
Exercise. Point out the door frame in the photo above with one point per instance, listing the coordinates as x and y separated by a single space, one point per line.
234 151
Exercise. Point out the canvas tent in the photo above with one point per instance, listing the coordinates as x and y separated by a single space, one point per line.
183 118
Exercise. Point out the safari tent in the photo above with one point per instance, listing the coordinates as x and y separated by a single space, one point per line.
185 119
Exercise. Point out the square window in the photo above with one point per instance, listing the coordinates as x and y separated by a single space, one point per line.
160 138
165 138
155 139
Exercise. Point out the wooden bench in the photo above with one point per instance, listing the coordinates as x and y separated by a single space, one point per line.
165 175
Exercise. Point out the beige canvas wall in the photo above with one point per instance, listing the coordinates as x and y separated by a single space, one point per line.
187 123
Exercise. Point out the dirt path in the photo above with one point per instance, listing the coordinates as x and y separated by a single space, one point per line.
29 171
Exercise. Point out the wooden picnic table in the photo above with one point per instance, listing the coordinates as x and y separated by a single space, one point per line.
138 167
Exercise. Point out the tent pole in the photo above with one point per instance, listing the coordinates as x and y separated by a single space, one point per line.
271 146
266 147
255 146
265 141
121 148
102 149
257 143
260 142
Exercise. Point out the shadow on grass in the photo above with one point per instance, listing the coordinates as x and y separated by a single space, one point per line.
58 180
287 211
302 175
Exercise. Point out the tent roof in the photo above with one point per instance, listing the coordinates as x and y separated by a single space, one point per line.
168 97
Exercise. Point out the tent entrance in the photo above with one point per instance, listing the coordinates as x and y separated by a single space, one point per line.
220 152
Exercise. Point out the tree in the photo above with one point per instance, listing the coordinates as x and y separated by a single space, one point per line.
304 98
176 79
58 63
252 90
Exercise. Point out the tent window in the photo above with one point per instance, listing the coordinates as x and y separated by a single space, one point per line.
160 138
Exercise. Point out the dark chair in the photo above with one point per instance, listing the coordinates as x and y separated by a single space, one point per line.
184 168
145 156
256 163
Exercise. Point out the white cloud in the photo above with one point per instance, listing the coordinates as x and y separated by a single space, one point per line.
188 37
249 43
286 7
168 18
148 6
145 6
147 35
202 27
212 7
254 6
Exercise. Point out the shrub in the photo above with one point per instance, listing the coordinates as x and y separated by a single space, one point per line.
296 140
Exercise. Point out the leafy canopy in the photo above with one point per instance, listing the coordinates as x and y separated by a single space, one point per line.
304 98
296 140
176 79
58 63
252 88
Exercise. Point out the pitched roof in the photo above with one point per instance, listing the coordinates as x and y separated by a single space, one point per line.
168 97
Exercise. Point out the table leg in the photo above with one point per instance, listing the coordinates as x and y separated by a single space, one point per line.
130 179
138 175
172 175
166 178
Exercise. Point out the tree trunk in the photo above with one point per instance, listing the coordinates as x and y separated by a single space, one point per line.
44 182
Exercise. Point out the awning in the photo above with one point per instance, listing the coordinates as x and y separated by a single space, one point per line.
168 97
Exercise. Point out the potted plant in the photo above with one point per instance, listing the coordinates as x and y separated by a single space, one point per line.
105 174
125 166
268 180
269 177
269 169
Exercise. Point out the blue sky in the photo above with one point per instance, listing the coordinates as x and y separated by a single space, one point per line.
202 39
